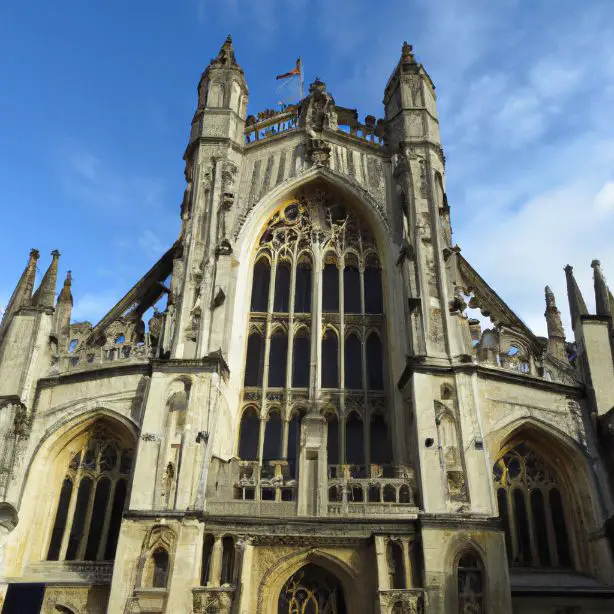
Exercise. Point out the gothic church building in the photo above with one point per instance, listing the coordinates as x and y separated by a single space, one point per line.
294 410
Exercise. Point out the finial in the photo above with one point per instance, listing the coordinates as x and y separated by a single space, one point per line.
55 253
408 52
550 300
34 254
229 39
602 294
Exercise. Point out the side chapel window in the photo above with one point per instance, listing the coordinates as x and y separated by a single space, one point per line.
282 333
470 579
91 500
531 506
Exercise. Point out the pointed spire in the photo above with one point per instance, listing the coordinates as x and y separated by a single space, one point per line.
63 308
556 333
602 293
577 306
23 291
45 294
65 295
226 56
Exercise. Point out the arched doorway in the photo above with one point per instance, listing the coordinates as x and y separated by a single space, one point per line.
311 590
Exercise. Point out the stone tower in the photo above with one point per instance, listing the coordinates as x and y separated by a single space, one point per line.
294 409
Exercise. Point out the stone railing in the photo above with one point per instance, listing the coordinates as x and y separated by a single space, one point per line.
272 481
93 357
206 600
371 131
269 123
371 489
402 601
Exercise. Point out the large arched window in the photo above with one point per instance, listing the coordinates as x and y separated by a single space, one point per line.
396 567
333 439
312 590
272 438
316 323
531 507
92 498
354 440
378 441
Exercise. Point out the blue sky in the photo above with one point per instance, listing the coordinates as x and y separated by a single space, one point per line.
96 100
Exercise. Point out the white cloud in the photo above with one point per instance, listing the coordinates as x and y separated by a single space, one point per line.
91 306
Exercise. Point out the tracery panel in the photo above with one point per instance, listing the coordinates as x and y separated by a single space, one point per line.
91 500
316 267
532 509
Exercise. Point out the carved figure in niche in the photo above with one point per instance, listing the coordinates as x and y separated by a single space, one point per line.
167 483
318 110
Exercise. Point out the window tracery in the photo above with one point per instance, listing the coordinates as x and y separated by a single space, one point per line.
317 260
91 499
311 590
532 509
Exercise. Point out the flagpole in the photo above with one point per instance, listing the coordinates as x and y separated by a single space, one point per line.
300 77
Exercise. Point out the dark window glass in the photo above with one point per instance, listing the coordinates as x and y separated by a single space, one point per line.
560 528
78 523
540 527
505 519
60 521
333 441
353 363
330 364
282 288
375 365
206 565
351 289
294 433
354 442
395 566
119 500
522 527
278 355
272 438
260 285
300 362
228 560
330 288
373 290
380 448
99 510
253 361
248 435
302 291
160 570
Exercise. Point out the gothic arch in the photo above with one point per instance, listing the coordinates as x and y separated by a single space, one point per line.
46 473
569 464
276 576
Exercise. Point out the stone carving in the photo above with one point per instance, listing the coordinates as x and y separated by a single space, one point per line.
150 437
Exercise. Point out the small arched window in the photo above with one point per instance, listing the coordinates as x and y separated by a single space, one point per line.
354 440
330 285
160 568
470 582
302 291
396 567
249 434
228 560
272 438
378 436
333 439
206 559
353 362
531 509
281 303
373 286
330 360
375 374
254 359
300 360
278 356
351 285
260 285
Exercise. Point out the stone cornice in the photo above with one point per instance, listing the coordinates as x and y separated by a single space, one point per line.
424 364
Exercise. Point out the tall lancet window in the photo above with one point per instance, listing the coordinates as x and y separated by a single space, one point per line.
316 332
91 499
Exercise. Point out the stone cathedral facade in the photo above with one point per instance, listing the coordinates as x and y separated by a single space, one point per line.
294 410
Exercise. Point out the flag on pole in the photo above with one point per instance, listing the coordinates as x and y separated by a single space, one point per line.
292 73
